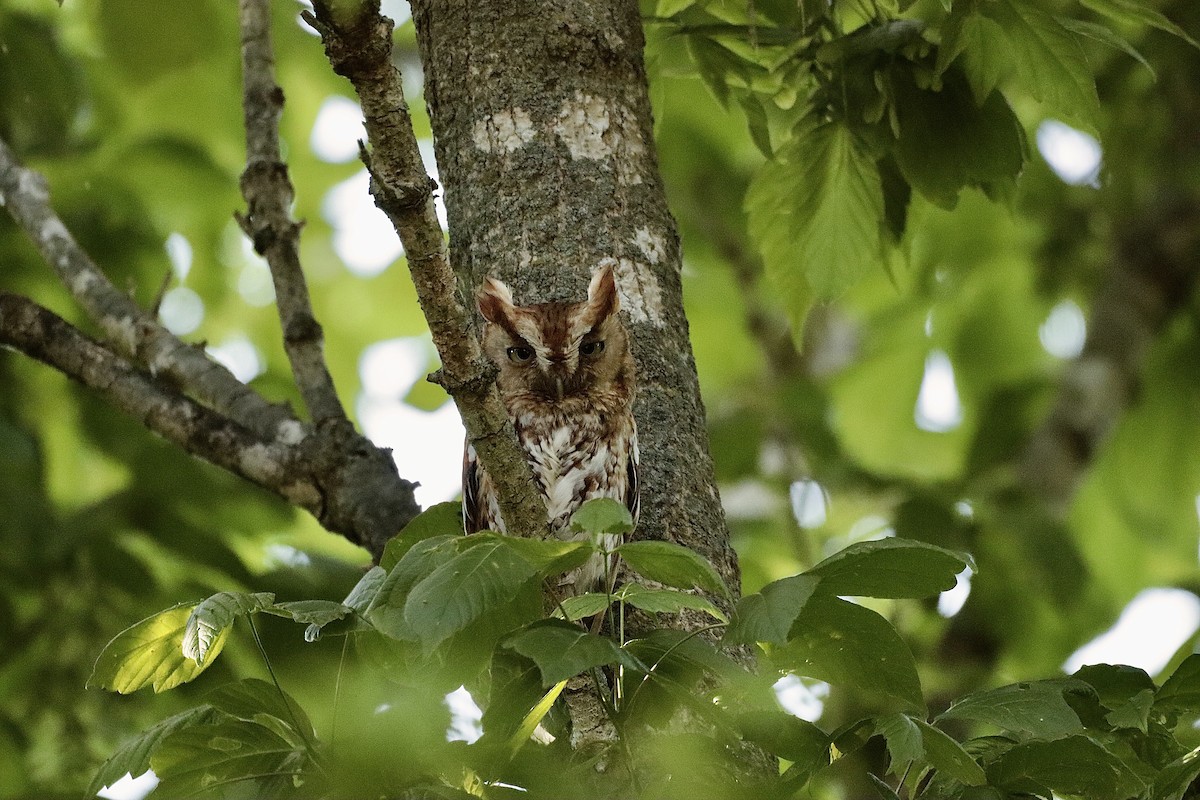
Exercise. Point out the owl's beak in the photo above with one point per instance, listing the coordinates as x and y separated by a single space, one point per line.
558 387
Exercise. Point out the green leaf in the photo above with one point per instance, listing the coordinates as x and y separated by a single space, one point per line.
261 702
769 615
881 787
948 756
851 646
1105 35
669 8
585 605
562 650
890 567
672 564
666 601
816 213
191 760
1173 782
314 612
213 617
786 736
1038 709
363 593
1136 12
150 653
756 121
979 46
461 590
1181 692
549 556
1075 766
947 142
602 515
904 741
386 611
134 755
442 519
1050 63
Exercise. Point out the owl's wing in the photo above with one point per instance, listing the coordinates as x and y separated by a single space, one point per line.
633 494
474 506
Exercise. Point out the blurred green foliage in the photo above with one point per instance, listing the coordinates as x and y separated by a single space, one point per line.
132 110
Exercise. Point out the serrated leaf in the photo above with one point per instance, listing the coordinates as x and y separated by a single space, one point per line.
602 515
1134 714
947 142
1049 61
851 646
977 44
666 601
150 653
191 760
1181 692
386 611
1074 765
948 756
816 213
890 567
460 591
1037 708
442 519
1135 12
213 618
672 564
562 650
133 756
261 702
769 615
1107 36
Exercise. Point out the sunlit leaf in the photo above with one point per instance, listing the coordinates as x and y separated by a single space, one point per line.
150 653
665 601
213 617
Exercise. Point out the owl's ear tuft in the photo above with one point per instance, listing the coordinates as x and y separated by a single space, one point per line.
603 299
494 299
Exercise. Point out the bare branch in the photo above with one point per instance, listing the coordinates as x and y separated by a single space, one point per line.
132 331
41 334
358 43
269 194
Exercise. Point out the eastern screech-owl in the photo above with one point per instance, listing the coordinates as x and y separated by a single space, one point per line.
567 380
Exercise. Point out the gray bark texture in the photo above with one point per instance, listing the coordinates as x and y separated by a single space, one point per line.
543 134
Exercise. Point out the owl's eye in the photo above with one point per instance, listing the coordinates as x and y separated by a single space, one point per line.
592 348
520 354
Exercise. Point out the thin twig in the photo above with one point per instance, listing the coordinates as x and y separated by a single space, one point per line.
358 43
134 333
276 236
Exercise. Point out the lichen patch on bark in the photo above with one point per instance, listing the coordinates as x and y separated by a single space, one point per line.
506 130
640 294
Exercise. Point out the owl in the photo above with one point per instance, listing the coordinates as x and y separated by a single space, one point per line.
566 376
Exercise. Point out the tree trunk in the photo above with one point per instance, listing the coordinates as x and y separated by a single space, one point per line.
542 125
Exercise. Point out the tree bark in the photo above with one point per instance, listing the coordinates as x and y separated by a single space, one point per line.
543 135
